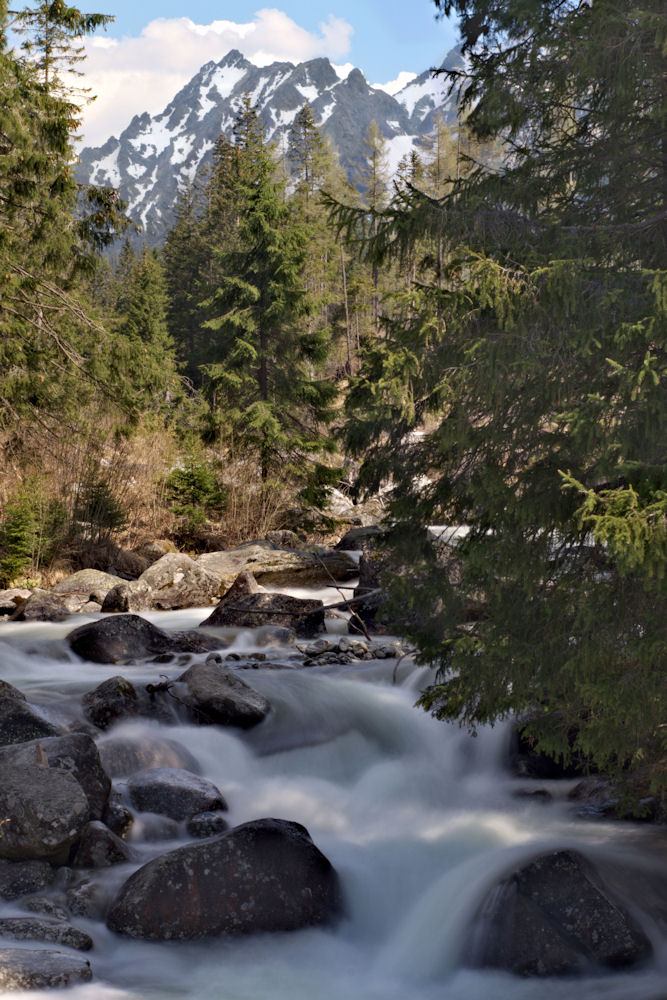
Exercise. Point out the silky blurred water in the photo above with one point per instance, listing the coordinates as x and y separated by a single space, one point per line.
417 816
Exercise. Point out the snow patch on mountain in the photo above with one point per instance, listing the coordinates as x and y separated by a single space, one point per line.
156 157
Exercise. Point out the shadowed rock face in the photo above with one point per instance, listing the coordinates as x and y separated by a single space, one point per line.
174 792
554 916
266 875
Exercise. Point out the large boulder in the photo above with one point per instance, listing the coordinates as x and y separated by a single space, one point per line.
18 721
554 916
28 969
74 754
49 790
88 584
266 875
44 809
216 696
277 566
174 792
247 605
121 639
176 581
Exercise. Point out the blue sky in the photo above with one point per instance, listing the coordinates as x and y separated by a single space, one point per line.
153 48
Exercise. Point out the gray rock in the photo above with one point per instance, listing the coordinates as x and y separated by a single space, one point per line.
51 931
117 816
266 875
46 905
73 753
11 599
17 878
176 581
174 792
112 700
218 696
207 824
46 810
122 756
128 638
127 596
18 720
275 566
91 584
245 605
43 606
28 969
358 539
99 847
555 916
120 639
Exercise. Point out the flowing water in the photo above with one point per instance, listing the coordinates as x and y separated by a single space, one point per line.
417 816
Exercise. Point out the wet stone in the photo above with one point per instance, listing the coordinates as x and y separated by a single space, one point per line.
17 878
50 931
207 824
174 792
28 969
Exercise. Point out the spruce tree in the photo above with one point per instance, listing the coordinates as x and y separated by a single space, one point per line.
269 396
541 396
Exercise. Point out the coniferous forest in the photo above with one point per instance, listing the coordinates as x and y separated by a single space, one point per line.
481 335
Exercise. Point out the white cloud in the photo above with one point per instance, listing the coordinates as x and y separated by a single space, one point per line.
135 74
393 87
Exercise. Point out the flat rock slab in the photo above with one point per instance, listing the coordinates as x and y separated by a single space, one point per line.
555 916
27 969
266 875
275 566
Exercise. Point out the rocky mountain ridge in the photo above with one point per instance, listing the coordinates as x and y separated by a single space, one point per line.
156 156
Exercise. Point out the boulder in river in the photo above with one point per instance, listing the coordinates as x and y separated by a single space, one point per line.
176 581
44 809
72 753
266 875
112 700
216 696
128 638
555 916
174 792
246 605
29 969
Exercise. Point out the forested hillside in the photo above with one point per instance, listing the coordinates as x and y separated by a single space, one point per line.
484 332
